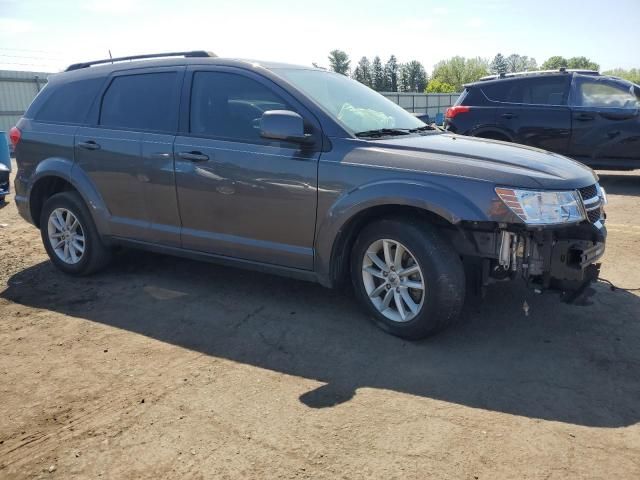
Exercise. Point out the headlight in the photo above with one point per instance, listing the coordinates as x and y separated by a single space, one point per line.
602 194
543 207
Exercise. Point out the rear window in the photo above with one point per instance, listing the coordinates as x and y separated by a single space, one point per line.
146 101
69 102
531 91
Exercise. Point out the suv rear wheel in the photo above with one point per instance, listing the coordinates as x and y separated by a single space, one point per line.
70 236
408 277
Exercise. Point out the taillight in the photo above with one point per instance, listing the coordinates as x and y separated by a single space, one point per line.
453 111
14 136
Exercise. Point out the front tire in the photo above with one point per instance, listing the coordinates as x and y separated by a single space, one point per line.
70 237
408 278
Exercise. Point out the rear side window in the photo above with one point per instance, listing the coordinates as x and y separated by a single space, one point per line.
146 101
230 106
530 91
70 102
471 96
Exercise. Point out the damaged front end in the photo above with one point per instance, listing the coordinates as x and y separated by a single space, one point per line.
548 257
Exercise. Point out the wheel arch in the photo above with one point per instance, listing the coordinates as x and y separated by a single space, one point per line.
44 188
342 223
343 244
55 175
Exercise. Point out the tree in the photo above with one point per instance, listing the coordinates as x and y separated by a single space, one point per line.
520 63
362 72
499 64
457 71
554 63
391 73
377 74
582 63
413 77
437 86
339 62
633 74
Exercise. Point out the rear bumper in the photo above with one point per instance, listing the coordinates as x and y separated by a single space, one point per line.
21 199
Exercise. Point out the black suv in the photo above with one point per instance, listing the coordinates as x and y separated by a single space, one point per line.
297 171
590 117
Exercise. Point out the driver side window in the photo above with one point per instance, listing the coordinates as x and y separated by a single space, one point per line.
229 106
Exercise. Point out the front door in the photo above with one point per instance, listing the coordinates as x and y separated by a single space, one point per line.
606 123
240 195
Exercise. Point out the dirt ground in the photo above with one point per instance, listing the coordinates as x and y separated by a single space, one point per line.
166 368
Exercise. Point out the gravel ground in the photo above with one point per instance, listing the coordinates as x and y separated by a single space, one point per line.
166 368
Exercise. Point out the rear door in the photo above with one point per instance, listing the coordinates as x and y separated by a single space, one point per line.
241 195
534 110
606 122
127 151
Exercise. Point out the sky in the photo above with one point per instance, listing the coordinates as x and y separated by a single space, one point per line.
48 35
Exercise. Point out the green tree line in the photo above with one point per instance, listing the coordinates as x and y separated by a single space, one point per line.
450 75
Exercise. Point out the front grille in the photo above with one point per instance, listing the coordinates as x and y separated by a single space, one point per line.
592 202
589 192
594 215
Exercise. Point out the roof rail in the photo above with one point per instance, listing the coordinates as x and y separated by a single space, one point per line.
538 72
192 54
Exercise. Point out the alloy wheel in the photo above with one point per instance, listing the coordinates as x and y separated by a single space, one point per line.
393 280
66 236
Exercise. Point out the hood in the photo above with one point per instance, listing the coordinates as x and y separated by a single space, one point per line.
493 161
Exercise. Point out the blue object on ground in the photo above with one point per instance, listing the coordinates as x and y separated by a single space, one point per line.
440 118
5 158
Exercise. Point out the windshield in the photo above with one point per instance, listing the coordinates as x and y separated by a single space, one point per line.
355 106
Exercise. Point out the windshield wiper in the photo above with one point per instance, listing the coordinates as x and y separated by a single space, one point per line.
422 129
381 132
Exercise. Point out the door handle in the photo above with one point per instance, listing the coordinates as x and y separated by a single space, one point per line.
584 117
194 156
160 155
509 115
89 145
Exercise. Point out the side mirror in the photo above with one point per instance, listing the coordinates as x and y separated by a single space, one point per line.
284 125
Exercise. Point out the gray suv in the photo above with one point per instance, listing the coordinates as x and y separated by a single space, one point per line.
301 172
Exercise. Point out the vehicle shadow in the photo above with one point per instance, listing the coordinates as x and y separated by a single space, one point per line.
620 184
573 364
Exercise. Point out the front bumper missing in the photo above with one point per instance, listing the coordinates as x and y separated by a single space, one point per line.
556 259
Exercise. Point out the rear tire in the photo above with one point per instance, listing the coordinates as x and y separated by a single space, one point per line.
70 237
426 278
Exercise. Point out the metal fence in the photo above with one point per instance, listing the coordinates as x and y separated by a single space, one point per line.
429 103
17 90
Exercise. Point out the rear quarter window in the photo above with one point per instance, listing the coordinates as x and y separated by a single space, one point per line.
471 96
68 102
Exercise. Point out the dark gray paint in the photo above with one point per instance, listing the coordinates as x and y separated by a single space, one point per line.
278 207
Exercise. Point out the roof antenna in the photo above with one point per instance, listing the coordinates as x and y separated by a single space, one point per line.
110 56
